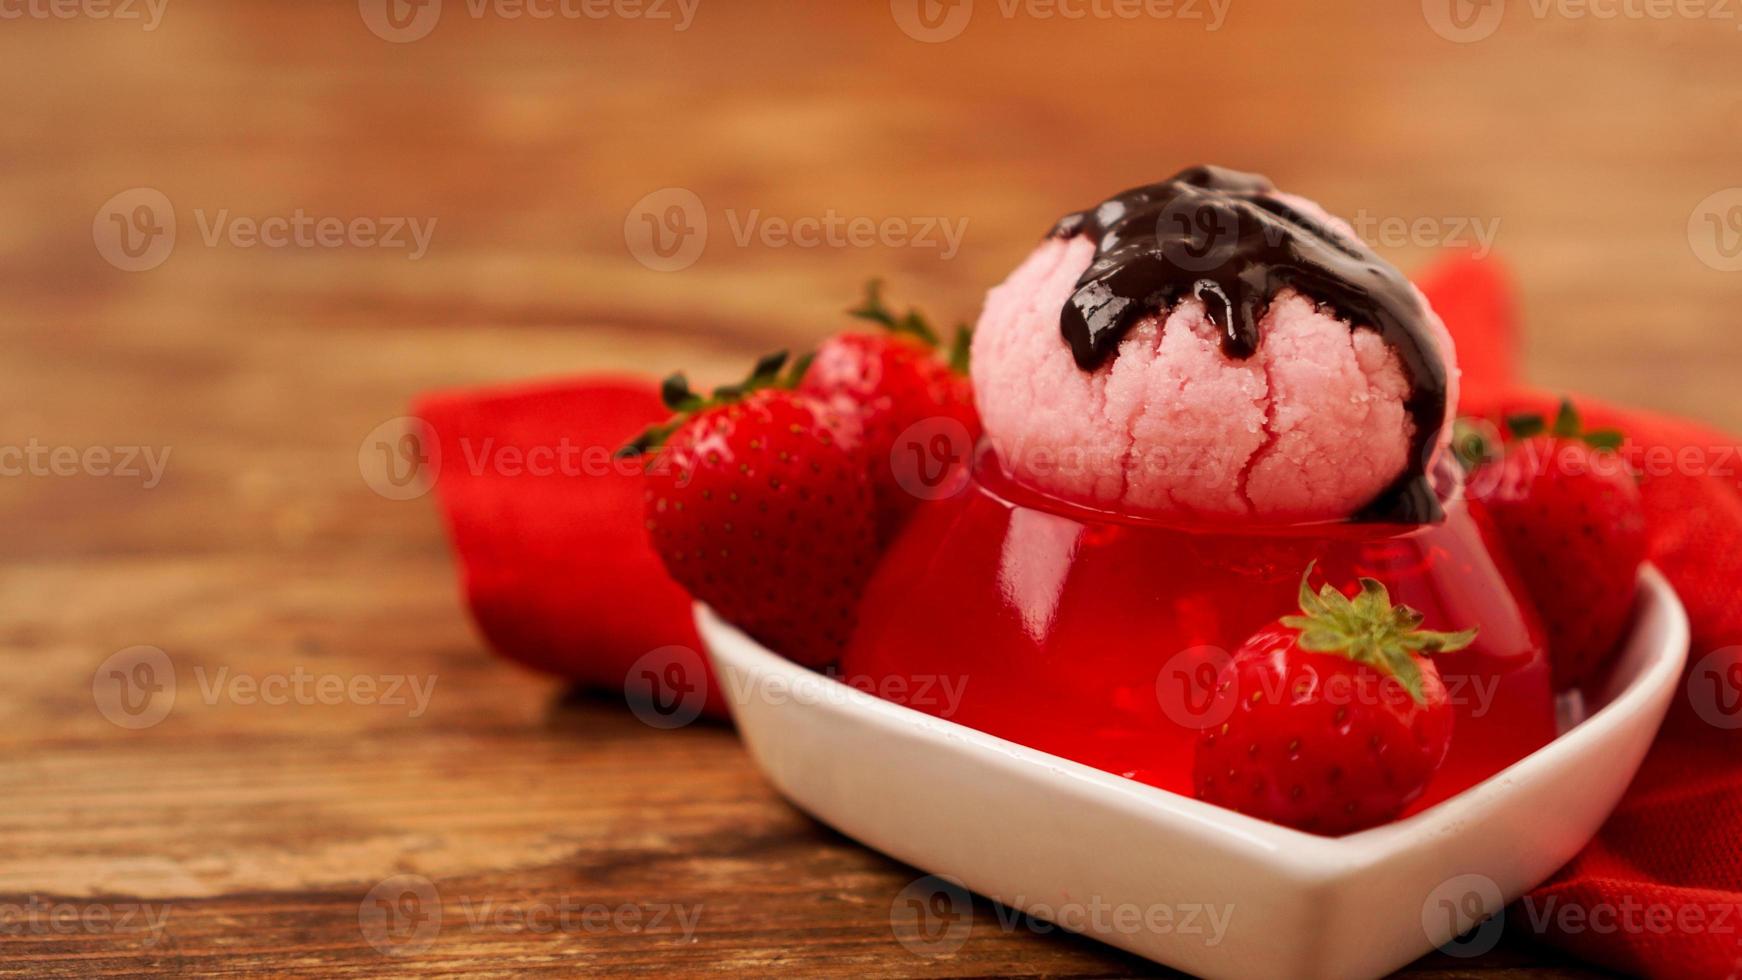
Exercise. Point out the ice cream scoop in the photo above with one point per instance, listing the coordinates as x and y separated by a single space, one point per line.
1210 347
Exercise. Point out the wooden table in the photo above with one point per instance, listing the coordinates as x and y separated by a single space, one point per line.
1588 147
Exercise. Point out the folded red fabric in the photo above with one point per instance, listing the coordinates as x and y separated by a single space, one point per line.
547 529
1659 892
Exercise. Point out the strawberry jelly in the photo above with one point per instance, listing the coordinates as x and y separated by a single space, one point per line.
1096 637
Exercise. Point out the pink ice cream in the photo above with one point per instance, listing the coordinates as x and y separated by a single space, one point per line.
1312 426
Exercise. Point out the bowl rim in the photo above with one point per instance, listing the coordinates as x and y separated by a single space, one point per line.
1656 657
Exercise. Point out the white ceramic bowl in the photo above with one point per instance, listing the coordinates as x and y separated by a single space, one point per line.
1129 864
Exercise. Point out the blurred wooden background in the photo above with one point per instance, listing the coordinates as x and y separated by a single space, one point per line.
1594 153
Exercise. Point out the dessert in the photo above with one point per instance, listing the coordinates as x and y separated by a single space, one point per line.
1190 394
1197 397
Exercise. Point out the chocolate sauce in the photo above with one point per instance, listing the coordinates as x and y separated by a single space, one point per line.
1224 237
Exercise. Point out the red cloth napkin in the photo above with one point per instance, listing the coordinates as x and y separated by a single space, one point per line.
1659 892
547 529
559 575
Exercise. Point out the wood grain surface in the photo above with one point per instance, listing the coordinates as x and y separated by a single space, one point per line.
239 837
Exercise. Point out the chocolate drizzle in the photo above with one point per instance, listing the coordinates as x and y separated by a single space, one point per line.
1225 238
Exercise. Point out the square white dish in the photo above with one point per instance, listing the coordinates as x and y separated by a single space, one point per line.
1042 833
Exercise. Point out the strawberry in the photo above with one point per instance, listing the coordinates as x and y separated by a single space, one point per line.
1569 514
1334 719
914 409
759 506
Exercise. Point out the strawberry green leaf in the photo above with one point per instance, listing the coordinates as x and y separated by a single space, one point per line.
1406 618
872 307
1566 420
1369 630
1408 673
651 438
799 369
1322 641
961 348
1309 603
764 374
1525 426
1568 424
1445 642
915 326
768 367
1470 447
684 403
875 310
1373 600
1335 601
676 394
